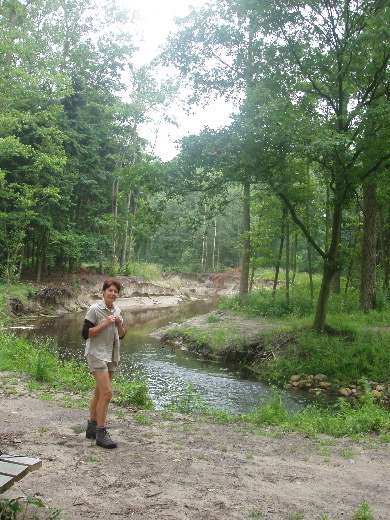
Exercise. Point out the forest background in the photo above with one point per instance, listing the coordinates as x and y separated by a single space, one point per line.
298 181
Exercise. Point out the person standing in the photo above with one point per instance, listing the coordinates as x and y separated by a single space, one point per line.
102 330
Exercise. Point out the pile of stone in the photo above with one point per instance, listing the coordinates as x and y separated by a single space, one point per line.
319 382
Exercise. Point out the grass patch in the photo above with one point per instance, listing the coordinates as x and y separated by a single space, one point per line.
187 401
339 420
262 303
144 270
43 364
349 357
26 508
142 419
132 391
47 369
363 513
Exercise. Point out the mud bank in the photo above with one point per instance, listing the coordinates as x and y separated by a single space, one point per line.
59 295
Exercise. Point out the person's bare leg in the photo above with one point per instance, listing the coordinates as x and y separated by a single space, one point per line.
101 397
93 405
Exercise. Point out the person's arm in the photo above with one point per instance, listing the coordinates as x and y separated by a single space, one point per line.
86 326
121 329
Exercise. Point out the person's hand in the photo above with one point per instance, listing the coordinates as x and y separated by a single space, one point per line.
110 319
118 320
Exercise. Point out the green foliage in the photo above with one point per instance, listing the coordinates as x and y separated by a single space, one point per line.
269 413
212 318
346 357
261 303
342 419
354 347
132 391
26 508
144 270
363 513
142 419
43 364
187 400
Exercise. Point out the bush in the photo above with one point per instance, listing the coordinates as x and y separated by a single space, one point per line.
26 508
347 357
144 270
261 303
132 392
342 419
43 364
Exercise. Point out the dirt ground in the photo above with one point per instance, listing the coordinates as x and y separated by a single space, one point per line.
178 467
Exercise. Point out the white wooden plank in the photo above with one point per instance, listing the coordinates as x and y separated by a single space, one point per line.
26 461
5 482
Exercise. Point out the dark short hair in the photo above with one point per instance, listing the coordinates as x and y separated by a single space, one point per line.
110 282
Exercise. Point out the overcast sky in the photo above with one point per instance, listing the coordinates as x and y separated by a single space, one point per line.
155 24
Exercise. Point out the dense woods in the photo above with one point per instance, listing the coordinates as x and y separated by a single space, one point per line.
298 181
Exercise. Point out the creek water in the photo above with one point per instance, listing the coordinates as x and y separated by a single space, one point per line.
169 371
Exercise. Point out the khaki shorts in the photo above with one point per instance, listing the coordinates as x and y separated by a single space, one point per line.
97 365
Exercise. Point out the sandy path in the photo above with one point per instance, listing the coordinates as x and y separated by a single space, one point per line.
185 468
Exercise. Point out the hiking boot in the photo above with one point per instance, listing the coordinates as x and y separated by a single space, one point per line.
103 438
91 429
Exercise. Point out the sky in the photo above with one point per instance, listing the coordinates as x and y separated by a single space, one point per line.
155 23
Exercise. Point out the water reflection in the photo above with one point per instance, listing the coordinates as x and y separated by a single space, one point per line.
168 371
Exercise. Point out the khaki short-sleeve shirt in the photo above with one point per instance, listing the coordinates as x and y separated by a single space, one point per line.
104 346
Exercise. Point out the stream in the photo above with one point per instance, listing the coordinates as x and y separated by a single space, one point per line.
168 371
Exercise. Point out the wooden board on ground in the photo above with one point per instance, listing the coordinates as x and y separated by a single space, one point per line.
14 467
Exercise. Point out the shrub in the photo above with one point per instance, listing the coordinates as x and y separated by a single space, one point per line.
144 270
132 392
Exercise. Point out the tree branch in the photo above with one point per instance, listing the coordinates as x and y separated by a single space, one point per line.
301 225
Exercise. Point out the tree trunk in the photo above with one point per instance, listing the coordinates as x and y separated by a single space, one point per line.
133 212
287 266
21 258
327 210
367 294
310 266
336 283
204 243
295 251
330 269
252 278
126 231
39 267
351 264
214 244
246 243
384 233
279 258
114 205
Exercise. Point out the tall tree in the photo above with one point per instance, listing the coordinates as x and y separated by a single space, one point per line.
337 56
330 60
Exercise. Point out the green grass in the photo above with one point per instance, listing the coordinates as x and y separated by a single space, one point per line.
43 364
355 350
363 513
187 400
144 270
132 391
142 419
340 420
262 303
46 369
26 508
348 357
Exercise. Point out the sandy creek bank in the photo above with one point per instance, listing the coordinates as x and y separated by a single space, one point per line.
62 294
